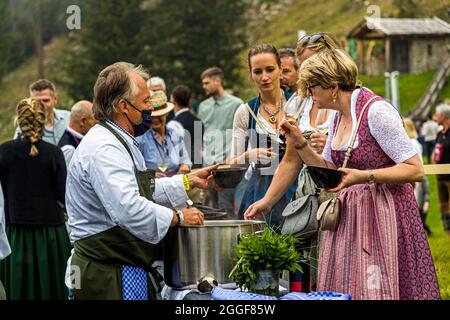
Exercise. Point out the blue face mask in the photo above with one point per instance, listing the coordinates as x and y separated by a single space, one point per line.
146 121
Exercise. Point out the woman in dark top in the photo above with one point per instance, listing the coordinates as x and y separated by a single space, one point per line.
33 177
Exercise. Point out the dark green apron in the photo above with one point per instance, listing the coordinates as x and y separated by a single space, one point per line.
100 257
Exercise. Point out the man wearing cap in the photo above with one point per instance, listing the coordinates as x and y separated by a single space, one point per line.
162 147
118 212
441 155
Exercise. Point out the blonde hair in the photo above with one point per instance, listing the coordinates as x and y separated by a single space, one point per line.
410 128
327 42
327 69
30 117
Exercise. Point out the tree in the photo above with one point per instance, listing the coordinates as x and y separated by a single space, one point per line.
408 8
5 40
189 36
108 34
26 26
174 39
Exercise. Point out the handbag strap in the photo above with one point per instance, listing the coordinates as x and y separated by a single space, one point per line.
348 153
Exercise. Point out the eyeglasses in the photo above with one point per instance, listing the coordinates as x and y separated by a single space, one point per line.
315 38
308 88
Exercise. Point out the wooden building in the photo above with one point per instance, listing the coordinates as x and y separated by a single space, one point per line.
396 44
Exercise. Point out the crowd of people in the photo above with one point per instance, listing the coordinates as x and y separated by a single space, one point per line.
87 195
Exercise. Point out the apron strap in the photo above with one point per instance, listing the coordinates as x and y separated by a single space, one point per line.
119 137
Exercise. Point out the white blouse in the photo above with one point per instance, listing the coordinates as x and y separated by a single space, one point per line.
5 249
385 125
240 129
295 104
292 106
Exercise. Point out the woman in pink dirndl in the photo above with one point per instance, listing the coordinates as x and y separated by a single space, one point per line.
379 250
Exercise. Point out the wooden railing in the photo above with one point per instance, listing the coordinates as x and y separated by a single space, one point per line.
424 107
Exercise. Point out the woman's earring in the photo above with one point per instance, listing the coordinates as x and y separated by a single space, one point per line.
334 96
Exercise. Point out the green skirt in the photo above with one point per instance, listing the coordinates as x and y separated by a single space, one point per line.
35 270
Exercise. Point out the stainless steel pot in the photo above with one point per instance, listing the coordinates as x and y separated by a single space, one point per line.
192 252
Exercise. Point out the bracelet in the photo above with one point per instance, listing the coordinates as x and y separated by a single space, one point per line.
300 146
371 178
187 185
180 217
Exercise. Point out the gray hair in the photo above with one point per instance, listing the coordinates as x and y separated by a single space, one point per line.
114 83
80 109
444 109
156 81
289 53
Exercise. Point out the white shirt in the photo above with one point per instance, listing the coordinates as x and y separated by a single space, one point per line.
102 192
385 125
5 249
296 103
430 130
68 150
175 125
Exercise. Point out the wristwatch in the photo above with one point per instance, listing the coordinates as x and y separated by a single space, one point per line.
371 178
180 217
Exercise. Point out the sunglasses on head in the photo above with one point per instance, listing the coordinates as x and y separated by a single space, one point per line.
314 38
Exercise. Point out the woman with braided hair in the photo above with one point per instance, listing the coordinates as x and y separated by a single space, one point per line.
33 177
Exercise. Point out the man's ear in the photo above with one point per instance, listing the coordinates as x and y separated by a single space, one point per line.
82 121
122 105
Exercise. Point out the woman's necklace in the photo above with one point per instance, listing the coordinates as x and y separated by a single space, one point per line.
271 114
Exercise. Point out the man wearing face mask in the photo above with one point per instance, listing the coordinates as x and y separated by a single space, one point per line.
117 211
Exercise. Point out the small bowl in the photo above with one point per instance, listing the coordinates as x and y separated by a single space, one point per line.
228 177
325 178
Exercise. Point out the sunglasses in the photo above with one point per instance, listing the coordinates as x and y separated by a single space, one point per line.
314 38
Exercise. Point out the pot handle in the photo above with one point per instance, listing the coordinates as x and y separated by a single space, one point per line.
238 237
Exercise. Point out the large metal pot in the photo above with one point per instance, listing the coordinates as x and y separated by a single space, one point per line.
192 252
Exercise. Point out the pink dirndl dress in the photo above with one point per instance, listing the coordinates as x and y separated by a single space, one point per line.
380 250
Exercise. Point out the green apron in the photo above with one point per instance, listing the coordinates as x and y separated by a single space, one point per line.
100 257
2 292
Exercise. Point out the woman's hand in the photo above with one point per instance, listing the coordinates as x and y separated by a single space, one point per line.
350 178
159 175
261 155
257 210
426 206
318 141
290 129
183 169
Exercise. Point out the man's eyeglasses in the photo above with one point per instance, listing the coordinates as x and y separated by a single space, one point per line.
314 38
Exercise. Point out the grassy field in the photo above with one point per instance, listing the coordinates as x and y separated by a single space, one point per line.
338 17
411 88
439 242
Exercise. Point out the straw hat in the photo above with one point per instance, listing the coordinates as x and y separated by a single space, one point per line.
158 100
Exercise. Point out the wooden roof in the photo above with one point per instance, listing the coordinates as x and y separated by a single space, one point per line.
388 27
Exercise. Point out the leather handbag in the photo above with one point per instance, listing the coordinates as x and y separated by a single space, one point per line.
300 214
329 212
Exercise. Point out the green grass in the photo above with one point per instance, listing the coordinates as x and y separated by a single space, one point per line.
338 17
14 87
439 242
411 87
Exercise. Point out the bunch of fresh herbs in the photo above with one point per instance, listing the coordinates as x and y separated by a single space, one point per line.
265 251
